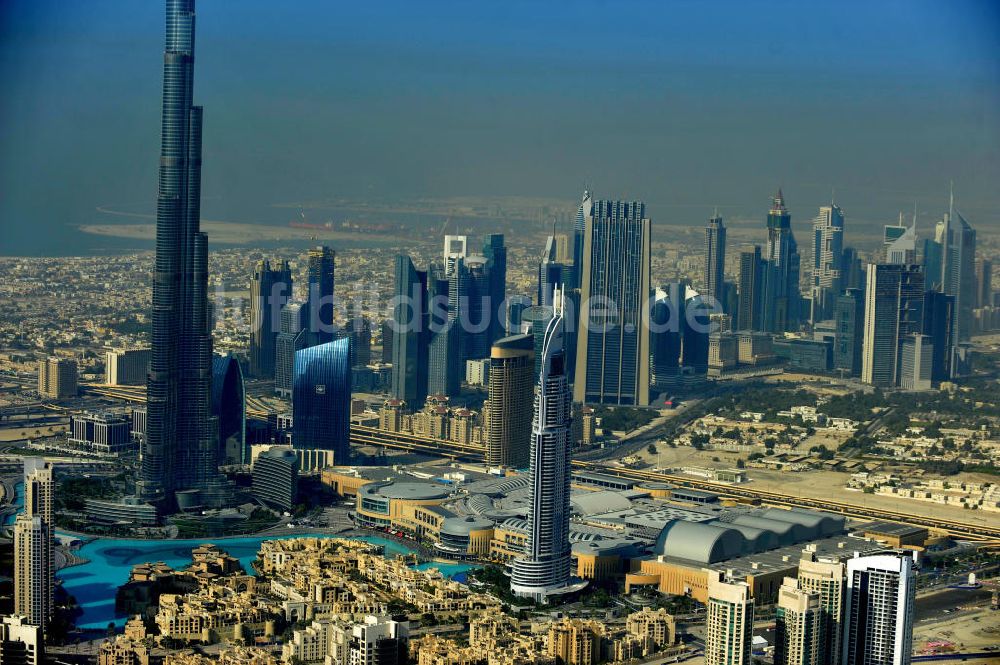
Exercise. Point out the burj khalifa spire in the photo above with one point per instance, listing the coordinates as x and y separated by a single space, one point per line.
178 454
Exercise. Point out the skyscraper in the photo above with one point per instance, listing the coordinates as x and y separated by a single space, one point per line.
33 546
455 247
984 284
321 284
544 569
665 340
508 411
849 322
957 240
446 292
57 377
728 622
878 610
473 311
293 335
715 258
916 362
852 276
179 450
826 578
894 304
496 267
269 292
780 297
535 322
409 335
229 410
797 626
939 313
828 256
583 214
385 331
899 243
126 367
612 362
550 274
321 398
749 316
695 325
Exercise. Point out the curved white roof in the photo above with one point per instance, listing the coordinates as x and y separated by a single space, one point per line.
700 542
597 503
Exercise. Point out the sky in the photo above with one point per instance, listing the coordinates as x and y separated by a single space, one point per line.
685 104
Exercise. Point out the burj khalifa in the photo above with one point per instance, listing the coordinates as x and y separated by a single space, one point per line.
179 453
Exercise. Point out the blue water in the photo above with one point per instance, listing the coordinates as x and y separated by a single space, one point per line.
109 562
18 503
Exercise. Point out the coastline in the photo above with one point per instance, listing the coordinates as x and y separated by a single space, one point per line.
239 233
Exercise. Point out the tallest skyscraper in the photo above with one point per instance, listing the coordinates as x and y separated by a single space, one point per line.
179 453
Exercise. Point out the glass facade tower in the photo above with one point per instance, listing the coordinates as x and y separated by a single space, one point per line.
612 363
321 398
270 289
179 451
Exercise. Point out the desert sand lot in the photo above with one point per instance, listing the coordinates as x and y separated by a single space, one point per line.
817 484
971 628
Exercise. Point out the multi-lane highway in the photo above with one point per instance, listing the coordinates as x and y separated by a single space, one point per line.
988 535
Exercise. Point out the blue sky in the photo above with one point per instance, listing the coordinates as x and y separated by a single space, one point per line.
684 104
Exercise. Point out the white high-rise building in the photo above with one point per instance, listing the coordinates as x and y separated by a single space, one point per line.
544 570
828 256
728 623
455 247
878 610
900 242
33 546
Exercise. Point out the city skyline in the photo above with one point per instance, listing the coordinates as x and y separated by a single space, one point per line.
423 424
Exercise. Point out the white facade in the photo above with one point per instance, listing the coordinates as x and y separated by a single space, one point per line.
20 642
33 546
878 610
477 372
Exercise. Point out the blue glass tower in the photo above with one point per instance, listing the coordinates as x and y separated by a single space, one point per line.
409 334
179 452
612 361
229 409
321 398
496 267
780 285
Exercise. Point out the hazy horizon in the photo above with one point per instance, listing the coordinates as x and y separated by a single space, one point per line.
686 105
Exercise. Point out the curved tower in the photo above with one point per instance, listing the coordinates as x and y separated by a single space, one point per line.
508 410
545 568
179 451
